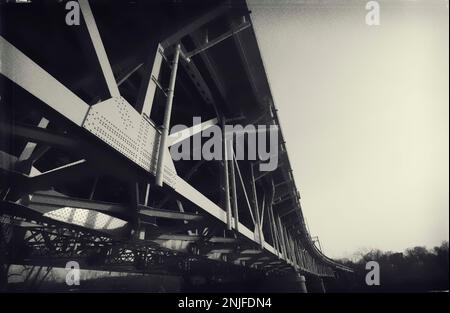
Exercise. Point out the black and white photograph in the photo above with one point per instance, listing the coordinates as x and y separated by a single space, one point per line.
247 148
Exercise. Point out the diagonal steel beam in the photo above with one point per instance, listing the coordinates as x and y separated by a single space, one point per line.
31 146
63 174
177 137
219 39
27 74
99 48
243 188
146 94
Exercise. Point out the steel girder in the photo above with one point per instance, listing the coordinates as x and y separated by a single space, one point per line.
111 137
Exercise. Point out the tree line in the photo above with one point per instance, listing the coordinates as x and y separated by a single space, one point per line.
417 269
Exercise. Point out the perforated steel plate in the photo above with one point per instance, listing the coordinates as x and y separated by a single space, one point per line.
86 218
118 124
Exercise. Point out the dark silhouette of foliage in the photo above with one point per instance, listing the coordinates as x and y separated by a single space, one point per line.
416 270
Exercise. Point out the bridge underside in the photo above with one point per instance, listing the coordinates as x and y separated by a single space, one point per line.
80 142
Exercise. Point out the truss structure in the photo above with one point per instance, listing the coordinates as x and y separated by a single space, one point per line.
85 164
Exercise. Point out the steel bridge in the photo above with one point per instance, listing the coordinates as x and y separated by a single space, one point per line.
86 170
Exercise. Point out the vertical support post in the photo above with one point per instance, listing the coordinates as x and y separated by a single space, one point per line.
295 247
288 250
263 207
147 194
134 202
322 285
288 245
181 209
257 217
166 122
294 254
234 190
275 230
302 257
280 238
283 241
94 187
272 232
297 252
226 175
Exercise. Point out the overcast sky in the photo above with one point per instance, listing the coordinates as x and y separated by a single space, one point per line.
364 112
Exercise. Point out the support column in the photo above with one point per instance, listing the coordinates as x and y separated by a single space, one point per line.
234 189
321 285
257 215
301 280
316 285
166 122
3 265
226 174
135 222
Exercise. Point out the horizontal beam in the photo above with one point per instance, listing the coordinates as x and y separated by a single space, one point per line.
146 211
18 210
194 25
219 39
40 135
51 200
